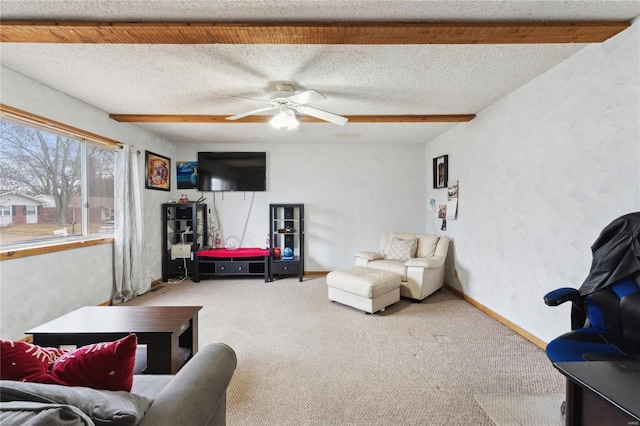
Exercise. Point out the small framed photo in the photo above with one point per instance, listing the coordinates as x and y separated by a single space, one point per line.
158 172
187 174
440 171
442 211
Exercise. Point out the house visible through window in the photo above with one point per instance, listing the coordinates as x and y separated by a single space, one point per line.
53 186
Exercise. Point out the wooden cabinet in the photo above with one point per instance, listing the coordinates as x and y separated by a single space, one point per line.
286 233
213 263
184 232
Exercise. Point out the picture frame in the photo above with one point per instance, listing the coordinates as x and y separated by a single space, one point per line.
442 211
158 169
440 171
187 174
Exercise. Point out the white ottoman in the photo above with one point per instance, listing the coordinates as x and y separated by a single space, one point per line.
367 289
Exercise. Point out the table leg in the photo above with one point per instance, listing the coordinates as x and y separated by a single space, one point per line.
46 340
196 269
161 353
573 401
189 337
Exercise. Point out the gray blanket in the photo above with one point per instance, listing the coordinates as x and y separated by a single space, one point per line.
24 403
39 413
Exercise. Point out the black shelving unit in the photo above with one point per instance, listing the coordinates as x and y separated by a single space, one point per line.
184 232
286 230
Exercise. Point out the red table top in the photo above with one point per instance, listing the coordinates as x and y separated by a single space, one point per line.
241 252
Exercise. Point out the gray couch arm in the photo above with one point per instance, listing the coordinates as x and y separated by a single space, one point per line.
197 394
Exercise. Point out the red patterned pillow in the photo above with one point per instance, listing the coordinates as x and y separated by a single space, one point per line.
26 362
100 366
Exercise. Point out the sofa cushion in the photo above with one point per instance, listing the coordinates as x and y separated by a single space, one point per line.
150 385
100 365
427 245
400 249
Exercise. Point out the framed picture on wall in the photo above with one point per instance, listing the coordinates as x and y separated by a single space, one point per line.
187 174
158 172
440 171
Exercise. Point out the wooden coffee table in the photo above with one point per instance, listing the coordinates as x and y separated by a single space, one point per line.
170 333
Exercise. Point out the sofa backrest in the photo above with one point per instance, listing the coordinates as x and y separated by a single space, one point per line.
426 243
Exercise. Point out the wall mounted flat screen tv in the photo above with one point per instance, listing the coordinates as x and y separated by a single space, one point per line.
232 171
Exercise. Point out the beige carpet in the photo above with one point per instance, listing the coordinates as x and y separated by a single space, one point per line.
303 360
526 410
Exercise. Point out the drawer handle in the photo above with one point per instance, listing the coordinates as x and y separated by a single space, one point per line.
239 268
222 267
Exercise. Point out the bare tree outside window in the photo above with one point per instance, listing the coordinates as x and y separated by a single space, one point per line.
41 185
100 189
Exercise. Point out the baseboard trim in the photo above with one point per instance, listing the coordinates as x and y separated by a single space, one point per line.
153 284
530 337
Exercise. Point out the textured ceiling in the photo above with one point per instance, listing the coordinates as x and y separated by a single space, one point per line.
357 79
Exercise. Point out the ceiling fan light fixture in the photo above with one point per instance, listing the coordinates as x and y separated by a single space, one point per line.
285 119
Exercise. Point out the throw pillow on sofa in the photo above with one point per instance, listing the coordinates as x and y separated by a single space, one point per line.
106 366
25 362
402 249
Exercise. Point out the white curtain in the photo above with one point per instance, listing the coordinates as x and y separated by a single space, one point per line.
130 269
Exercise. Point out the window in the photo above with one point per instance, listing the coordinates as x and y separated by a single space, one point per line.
54 185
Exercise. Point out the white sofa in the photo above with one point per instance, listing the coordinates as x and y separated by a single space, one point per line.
422 273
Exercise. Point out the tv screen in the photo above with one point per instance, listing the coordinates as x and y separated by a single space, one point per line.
232 171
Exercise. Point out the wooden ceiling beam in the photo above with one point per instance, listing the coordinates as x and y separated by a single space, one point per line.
169 118
309 32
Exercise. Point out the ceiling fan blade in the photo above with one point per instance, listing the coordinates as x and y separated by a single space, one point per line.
255 111
264 101
323 115
307 97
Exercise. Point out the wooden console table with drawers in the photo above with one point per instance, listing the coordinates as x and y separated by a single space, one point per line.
223 262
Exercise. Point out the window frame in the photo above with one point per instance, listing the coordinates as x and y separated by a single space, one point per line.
42 247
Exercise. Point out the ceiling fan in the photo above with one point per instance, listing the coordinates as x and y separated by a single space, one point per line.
288 103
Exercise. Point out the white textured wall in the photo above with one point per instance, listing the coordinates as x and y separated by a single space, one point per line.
352 194
39 288
541 172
